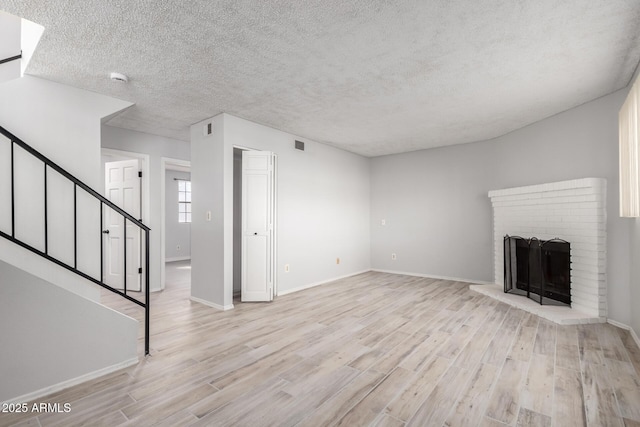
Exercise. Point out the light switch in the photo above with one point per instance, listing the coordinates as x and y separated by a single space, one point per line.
208 215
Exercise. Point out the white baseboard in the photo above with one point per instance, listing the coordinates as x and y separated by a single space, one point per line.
212 304
634 336
178 258
29 397
433 276
311 285
626 327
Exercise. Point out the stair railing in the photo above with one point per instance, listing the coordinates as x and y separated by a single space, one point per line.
104 202
12 58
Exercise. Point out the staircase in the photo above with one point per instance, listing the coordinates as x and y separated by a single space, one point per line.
57 332
33 216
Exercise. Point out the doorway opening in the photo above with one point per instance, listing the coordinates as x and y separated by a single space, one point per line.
237 223
175 209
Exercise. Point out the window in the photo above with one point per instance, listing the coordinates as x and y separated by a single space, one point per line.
629 133
184 201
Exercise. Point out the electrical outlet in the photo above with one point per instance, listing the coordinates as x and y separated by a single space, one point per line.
393 256
383 222
178 248
337 260
286 268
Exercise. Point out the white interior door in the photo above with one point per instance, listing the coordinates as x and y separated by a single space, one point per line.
122 187
258 211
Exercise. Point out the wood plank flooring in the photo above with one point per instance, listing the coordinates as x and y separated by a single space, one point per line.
374 349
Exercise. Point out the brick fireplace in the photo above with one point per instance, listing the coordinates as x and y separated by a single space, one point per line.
574 211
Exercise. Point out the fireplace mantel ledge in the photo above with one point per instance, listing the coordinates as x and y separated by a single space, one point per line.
556 314
553 186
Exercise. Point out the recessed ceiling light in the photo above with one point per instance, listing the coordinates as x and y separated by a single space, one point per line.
118 77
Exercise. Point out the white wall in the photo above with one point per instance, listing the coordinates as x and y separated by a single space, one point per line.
10 45
156 147
52 337
323 208
63 123
208 275
438 215
177 233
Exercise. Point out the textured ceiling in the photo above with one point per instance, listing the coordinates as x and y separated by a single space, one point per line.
372 77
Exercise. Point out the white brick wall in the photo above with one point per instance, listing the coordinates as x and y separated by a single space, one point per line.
574 211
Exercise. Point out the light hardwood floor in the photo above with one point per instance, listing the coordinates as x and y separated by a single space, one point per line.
374 349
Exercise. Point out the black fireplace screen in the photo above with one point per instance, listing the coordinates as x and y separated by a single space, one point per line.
538 269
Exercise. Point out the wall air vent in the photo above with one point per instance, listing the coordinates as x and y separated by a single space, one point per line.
208 129
300 145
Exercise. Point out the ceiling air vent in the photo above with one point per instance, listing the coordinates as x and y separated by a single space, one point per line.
119 77
300 145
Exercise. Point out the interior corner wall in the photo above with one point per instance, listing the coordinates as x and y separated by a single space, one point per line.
178 234
438 214
156 147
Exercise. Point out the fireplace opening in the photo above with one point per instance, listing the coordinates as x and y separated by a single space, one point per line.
538 269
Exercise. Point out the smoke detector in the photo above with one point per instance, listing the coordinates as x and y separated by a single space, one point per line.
118 77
